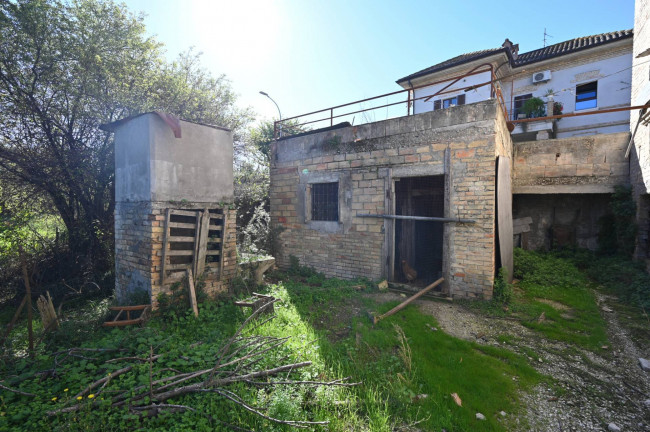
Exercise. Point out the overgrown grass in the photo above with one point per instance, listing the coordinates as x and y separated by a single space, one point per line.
487 379
398 361
552 296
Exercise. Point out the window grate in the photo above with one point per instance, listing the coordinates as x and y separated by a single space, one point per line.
325 202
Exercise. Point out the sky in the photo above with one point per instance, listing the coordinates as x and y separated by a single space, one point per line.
310 55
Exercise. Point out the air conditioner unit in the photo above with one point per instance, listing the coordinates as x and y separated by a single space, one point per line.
543 76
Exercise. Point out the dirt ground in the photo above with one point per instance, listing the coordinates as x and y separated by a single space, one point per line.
592 390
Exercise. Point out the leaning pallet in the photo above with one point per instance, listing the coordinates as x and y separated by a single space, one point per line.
128 321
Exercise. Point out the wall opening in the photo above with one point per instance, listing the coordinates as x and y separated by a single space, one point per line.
419 244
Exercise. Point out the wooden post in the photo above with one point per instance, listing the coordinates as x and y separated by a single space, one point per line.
28 296
202 232
402 305
224 232
165 247
13 320
190 283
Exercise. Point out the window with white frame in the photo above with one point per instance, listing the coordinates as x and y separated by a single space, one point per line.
446 103
587 96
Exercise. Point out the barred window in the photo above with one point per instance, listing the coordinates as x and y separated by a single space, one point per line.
325 202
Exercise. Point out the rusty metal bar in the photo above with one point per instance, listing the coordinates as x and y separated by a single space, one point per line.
277 125
577 114
384 106
473 72
417 218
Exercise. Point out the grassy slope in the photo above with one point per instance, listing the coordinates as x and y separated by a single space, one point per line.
544 277
328 324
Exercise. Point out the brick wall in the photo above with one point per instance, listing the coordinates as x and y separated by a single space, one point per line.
459 142
139 235
592 164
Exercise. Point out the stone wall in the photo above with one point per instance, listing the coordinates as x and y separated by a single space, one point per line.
139 233
558 220
640 156
592 164
458 143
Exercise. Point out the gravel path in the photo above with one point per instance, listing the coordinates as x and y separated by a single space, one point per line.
595 390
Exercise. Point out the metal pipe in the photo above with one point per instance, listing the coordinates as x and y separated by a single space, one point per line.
386 95
473 71
417 218
577 114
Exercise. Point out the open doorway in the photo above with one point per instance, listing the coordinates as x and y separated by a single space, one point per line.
418 244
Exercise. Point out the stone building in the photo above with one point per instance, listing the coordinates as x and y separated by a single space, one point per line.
362 201
436 164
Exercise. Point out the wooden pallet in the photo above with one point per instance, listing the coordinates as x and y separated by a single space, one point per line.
145 309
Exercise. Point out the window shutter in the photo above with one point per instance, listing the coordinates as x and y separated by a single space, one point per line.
461 99
436 104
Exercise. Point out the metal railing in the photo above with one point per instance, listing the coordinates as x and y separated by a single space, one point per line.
292 125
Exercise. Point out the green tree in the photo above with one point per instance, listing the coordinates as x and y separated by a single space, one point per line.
65 68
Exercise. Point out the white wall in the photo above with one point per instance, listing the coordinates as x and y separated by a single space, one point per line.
480 94
614 76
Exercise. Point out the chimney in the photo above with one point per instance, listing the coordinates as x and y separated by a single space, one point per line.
514 48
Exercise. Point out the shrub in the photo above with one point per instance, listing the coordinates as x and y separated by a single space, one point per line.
617 232
534 107
502 289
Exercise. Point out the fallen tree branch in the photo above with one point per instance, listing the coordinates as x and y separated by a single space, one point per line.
295 423
234 364
22 393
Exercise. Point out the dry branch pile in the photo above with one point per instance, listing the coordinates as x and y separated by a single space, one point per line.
236 361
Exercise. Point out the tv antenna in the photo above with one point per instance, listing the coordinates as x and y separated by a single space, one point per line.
545 36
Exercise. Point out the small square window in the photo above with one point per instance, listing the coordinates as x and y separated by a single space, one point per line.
586 96
519 104
446 103
325 202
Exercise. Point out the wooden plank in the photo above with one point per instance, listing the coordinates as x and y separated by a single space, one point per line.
165 246
223 236
216 216
409 300
197 235
180 212
181 239
215 227
129 308
504 214
203 243
190 283
179 266
180 253
122 323
213 252
214 240
182 225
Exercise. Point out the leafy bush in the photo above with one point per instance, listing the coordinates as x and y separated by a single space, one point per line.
502 289
546 269
618 274
617 232
534 107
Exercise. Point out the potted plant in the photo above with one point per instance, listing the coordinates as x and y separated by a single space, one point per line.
557 108
534 107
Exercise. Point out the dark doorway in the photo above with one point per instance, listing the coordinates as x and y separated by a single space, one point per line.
418 244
